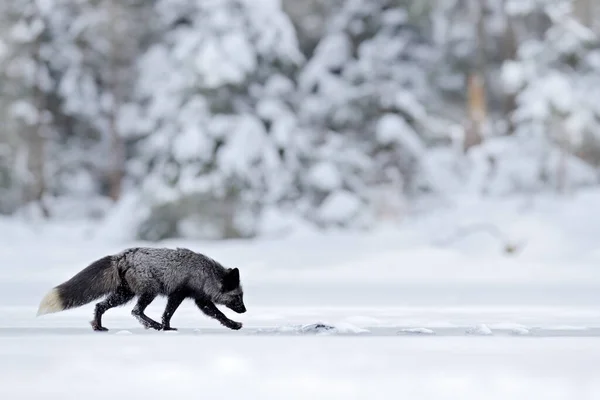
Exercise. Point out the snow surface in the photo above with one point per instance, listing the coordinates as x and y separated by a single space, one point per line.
481 329
383 314
417 331
155 366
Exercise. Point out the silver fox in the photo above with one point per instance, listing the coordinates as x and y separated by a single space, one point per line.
147 273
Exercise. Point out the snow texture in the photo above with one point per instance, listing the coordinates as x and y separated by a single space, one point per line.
481 329
318 328
416 331
520 331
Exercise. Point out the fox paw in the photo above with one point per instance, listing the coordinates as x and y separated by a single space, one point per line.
146 322
97 327
153 325
168 328
234 325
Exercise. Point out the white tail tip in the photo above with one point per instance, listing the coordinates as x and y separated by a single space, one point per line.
51 303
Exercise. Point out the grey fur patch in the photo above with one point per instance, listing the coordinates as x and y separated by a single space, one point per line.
163 271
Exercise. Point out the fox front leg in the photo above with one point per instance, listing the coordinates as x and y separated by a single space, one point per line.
208 308
173 303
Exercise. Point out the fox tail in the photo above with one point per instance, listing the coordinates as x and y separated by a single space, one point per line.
91 283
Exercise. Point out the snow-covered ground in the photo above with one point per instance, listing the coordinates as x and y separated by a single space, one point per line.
214 367
403 315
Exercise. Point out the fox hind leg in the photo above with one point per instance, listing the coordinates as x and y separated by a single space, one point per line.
118 298
138 311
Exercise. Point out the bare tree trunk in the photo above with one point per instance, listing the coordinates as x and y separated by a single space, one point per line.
35 141
117 147
117 163
584 12
510 53
562 137
476 85
36 185
476 110
561 172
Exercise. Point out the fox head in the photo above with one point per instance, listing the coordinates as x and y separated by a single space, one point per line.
232 294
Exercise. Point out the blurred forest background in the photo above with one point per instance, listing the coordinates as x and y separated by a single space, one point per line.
222 118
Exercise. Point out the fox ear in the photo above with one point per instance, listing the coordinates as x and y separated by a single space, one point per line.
231 279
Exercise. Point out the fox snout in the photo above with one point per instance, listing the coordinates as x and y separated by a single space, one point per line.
239 309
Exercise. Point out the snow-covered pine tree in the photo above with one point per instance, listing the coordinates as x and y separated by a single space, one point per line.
25 96
98 43
215 129
557 83
366 97
67 68
9 188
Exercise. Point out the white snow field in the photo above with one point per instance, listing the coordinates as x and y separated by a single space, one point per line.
389 314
